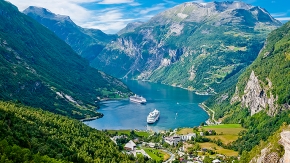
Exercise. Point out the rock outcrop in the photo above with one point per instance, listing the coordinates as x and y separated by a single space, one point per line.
271 155
285 141
255 96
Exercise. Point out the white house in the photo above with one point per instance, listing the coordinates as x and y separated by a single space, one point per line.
151 145
188 136
173 140
216 161
130 146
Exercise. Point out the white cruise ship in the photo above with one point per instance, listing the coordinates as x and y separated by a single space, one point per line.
153 116
138 99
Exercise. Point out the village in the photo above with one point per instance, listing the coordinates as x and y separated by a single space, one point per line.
192 145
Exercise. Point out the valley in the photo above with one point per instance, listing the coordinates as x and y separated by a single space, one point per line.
218 72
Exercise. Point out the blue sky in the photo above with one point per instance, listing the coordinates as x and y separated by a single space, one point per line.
112 15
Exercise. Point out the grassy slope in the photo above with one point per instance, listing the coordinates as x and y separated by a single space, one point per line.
36 64
272 63
219 149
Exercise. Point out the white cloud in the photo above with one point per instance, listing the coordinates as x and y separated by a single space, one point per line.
155 8
170 2
64 7
278 14
283 18
115 1
199 1
108 20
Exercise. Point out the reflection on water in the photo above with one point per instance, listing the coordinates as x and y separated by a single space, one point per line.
178 108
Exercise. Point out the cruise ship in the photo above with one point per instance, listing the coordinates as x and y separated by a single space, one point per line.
138 99
153 116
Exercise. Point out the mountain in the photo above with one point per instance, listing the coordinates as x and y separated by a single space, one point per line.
38 69
86 42
130 27
260 100
34 135
198 46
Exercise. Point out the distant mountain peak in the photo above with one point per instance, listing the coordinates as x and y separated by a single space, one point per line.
130 27
226 12
45 13
221 6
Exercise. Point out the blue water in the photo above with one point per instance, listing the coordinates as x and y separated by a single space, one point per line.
178 108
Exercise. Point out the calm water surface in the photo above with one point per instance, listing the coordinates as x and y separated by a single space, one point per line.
178 108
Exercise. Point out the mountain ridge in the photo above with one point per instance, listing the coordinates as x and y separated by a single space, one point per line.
86 42
179 49
41 70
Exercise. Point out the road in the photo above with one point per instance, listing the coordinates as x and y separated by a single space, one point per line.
172 156
202 105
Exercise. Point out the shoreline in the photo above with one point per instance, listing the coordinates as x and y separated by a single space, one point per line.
211 120
111 99
197 92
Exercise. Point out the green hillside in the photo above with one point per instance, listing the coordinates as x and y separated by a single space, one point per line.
38 69
86 42
187 46
34 135
261 106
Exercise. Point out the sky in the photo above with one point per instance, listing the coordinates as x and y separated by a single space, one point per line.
112 15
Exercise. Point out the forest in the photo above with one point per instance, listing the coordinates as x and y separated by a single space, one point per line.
33 135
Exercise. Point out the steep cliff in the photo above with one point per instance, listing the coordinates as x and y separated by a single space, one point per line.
260 99
255 97
199 47
265 83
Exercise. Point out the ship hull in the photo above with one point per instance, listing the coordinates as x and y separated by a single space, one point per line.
137 101
151 120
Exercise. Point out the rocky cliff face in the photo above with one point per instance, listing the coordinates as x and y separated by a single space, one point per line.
257 98
285 141
193 46
270 155
264 86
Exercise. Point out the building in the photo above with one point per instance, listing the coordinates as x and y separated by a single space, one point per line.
130 146
188 136
151 145
216 161
173 140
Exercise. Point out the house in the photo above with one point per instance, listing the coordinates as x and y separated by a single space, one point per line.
188 136
151 145
144 144
173 140
130 146
201 133
216 161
